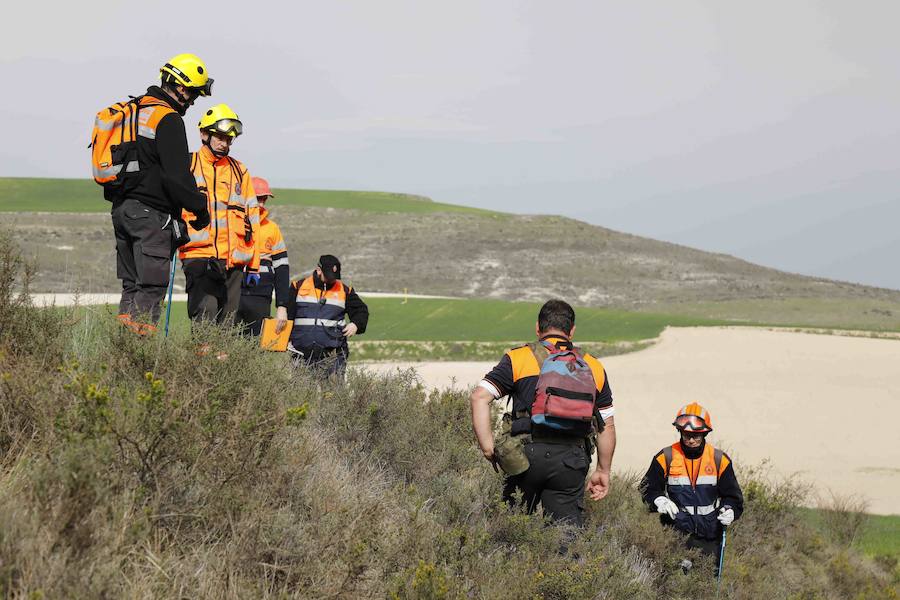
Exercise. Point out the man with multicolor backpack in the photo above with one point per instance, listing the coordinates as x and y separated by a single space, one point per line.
140 157
224 255
562 408
692 485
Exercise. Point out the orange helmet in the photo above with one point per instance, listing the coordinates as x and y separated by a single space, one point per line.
261 187
693 417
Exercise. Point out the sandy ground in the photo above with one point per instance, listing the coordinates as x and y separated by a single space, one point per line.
819 407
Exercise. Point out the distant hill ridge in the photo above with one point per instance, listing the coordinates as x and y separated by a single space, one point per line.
392 242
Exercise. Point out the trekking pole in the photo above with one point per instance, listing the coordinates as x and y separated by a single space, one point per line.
171 286
721 562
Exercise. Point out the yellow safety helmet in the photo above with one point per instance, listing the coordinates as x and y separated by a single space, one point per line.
188 70
221 119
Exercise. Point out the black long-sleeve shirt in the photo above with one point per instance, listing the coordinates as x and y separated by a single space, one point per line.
165 182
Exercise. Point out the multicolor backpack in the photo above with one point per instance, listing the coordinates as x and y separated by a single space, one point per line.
566 389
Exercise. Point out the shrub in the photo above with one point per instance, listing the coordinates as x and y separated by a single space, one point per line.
146 467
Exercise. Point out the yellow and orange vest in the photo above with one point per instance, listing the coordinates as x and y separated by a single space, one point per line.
233 232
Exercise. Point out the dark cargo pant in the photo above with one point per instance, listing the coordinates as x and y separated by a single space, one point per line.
143 257
555 479
252 311
213 291
326 362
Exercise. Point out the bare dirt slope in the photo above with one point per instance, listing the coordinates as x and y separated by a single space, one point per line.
823 408
496 256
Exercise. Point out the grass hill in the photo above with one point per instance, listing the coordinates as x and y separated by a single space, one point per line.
391 242
137 468
26 194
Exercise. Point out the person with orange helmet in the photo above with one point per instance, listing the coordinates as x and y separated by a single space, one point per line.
692 484
274 271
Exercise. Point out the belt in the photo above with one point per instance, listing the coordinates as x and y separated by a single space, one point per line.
558 438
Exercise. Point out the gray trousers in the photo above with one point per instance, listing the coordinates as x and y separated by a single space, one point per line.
143 258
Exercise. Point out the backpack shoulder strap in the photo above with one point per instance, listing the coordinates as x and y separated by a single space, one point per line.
540 352
717 456
667 454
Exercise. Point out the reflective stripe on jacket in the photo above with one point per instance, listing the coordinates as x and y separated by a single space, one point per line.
319 317
233 230
693 486
274 268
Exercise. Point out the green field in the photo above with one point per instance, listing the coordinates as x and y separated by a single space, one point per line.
496 320
438 320
84 196
878 536
437 329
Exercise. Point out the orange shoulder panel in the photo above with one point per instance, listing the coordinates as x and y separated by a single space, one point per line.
597 369
524 364
661 459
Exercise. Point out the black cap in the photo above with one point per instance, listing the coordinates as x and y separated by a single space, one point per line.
330 265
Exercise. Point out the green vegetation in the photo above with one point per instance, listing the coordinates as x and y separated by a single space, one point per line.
134 467
437 329
51 195
368 201
880 536
869 314
875 535
19 194
497 320
404 351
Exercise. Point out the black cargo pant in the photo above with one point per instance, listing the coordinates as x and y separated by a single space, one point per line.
555 479
707 547
326 362
252 311
144 248
214 292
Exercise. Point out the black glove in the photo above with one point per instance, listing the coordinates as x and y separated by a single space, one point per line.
494 463
201 222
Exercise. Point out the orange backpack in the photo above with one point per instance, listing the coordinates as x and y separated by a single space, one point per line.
114 152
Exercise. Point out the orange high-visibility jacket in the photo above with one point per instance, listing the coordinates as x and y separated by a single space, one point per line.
233 232
271 241
274 269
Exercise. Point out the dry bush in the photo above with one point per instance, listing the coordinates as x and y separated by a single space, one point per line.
844 518
136 468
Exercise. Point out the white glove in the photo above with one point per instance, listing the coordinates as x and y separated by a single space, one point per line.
664 506
726 516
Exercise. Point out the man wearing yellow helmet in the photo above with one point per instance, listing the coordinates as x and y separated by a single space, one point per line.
692 485
156 186
224 253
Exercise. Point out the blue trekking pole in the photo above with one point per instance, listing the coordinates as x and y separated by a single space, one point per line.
721 562
171 286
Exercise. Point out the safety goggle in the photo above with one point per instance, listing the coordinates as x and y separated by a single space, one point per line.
690 423
204 90
230 127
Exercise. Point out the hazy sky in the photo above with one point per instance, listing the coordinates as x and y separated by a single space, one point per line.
767 130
